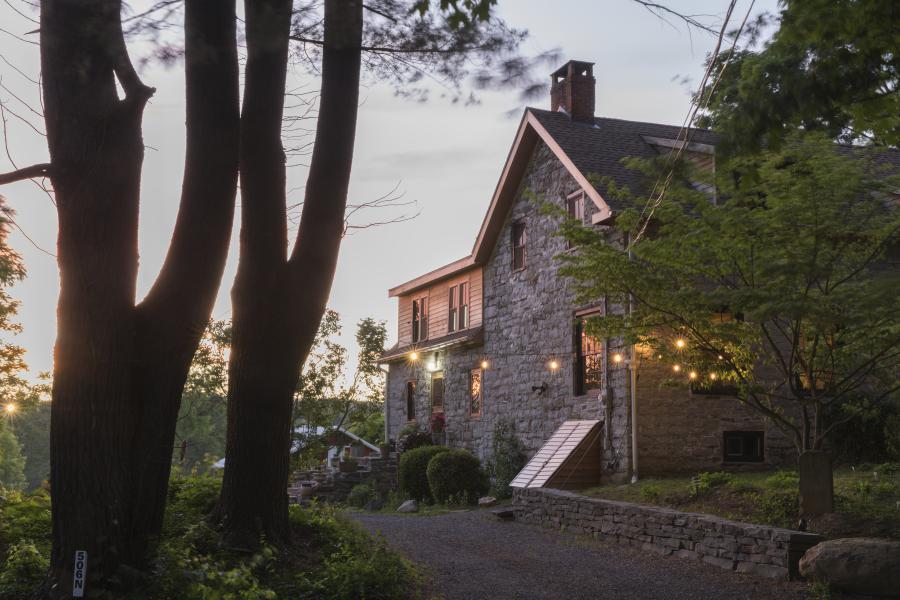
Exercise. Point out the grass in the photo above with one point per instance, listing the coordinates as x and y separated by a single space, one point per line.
867 499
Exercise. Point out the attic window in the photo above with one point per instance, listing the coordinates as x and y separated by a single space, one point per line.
419 320
518 245
575 208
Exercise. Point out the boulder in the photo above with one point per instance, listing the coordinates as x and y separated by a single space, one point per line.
410 506
859 565
487 501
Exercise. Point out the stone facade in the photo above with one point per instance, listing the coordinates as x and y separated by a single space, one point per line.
528 322
742 547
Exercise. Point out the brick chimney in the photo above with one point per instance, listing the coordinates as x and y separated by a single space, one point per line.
572 90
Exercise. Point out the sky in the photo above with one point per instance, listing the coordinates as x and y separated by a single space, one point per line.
444 157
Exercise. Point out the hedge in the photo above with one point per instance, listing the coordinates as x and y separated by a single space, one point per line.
413 471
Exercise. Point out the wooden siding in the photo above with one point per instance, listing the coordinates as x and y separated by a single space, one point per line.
438 306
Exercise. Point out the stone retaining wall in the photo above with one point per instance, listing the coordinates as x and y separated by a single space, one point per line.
766 551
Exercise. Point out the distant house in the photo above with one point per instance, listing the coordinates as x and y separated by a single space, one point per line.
497 336
342 445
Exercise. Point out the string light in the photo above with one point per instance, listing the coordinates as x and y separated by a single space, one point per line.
676 368
693 374
679 343
712 376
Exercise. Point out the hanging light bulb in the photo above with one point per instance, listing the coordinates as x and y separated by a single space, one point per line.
693 374
676 368
712 376
679 343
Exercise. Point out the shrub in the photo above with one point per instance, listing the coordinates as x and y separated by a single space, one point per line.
414 440
650 492
508 458
25 517
360 495
413 471
23 572
783 480
456 477
780 508
704 482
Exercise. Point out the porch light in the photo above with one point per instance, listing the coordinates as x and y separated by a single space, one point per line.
679 343
413 356
484 364
617 358
554 365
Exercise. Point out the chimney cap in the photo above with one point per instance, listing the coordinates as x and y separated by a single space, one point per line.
577 65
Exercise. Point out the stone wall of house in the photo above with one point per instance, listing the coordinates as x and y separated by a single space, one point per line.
742 547
680 431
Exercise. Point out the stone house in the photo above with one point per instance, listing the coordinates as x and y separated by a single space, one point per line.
497 336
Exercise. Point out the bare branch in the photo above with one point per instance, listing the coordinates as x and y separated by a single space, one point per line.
39 170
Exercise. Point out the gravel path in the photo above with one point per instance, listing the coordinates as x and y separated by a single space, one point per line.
472 556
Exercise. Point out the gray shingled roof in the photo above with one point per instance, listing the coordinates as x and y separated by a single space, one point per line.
599 148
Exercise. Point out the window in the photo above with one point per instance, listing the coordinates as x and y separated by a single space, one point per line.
475 392
742 446
575 207
518 246
437 392
419 320
589 359
459 307
410 400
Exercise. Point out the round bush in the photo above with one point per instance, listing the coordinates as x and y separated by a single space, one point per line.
456 477
414 440
360 495
413 474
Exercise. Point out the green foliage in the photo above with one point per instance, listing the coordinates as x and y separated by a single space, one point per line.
777 288
416 439
413 471
25 517
820 590
32 429
704 482
12 463
780 508
360 495
456 477
865 431
784 480
832 66
508 458
650 492
23 571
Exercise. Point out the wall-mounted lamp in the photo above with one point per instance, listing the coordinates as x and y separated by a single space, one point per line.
554 365
540 389
484 364
414 356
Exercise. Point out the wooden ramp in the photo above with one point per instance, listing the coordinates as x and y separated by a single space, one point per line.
571 459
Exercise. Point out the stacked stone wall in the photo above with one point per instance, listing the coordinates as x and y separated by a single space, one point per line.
742 547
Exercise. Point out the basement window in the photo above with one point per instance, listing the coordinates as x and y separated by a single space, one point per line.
742 446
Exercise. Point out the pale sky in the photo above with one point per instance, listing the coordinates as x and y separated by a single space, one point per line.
445 157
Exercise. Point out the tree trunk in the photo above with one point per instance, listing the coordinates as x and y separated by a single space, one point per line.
278 302
119 369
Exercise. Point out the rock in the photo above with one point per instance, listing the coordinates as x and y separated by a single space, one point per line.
860 565
505 514
410 506
374 504
487 501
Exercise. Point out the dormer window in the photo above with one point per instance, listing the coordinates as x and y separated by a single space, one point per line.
419 319
458 318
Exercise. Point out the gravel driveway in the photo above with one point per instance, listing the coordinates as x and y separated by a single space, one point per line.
472 556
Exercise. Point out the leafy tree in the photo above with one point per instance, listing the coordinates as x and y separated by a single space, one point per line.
831 65
32 428
200 433
324 400
784 288
12 463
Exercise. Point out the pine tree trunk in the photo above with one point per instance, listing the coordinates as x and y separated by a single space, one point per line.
277 302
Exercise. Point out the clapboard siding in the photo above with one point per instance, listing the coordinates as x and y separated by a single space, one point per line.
439 306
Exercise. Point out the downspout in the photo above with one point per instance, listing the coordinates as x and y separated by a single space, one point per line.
633 389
